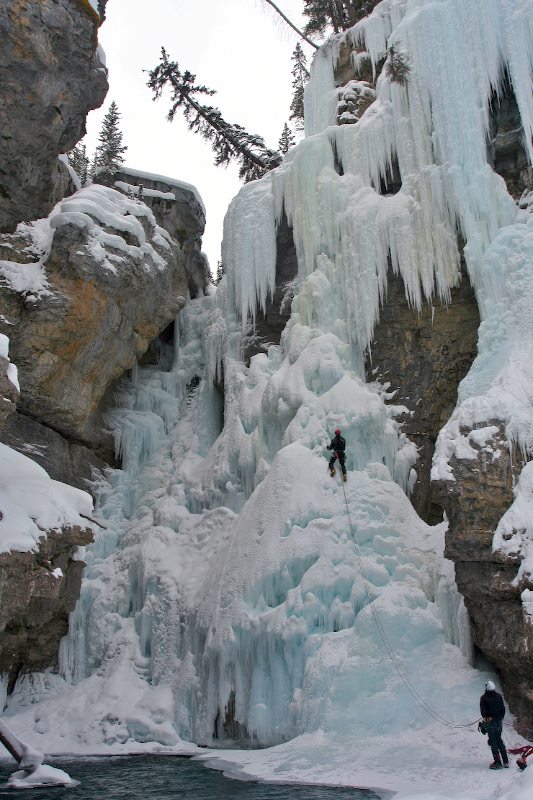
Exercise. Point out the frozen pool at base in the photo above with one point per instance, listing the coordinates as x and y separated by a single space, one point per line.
165 777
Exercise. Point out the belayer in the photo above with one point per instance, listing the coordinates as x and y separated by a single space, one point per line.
493 711
338 445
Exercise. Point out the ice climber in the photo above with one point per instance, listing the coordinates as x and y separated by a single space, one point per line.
338 445
493 711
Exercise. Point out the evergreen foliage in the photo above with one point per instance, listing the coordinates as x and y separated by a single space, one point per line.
286 140
229 141
78 160
221 271
300 76
335 15
398 66
109 150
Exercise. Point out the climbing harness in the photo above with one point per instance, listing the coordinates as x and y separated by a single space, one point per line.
395 661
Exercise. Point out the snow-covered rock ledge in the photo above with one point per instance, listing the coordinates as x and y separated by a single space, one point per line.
84 293
43 528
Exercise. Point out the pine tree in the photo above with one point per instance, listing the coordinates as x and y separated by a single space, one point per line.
335 15
300 75
286 140
221 271
229 141
77 158
398 66
109 150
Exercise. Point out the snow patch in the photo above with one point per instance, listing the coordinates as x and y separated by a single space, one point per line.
12 372
32 503
151 176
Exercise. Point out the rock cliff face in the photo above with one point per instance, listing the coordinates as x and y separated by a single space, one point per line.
83 293
51 77
110 279
506 151
38 590
475 502
421 357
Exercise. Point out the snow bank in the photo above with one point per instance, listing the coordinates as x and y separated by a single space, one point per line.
129 188
32 503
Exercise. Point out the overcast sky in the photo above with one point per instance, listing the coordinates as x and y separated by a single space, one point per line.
237 47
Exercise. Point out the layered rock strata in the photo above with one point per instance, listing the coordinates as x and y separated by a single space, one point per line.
51 77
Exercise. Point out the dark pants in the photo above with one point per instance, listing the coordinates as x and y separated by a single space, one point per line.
494 730
342 459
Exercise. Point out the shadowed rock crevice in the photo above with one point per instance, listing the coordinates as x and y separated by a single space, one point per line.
506 152
270 324
64 459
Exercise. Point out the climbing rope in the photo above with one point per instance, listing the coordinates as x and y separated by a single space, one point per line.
392 655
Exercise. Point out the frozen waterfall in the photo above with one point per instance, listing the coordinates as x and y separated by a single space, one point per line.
225 602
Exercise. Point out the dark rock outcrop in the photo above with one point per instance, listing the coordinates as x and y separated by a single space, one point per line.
474 503
506 152
421 357
51 77
35 602
270 324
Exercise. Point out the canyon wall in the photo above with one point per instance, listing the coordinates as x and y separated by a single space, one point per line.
52 75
